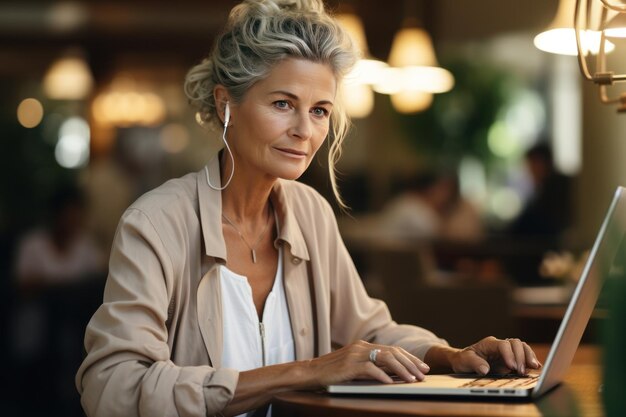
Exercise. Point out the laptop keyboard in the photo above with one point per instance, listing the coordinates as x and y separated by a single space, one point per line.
504 381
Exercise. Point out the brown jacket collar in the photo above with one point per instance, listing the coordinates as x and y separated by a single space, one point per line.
210 203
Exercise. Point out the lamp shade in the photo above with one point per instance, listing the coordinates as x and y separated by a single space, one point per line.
412 46
414 65
414 74
430 80
616 28
68 78
408 102
352 24
358 96
125 103
366 70
560 37
358 99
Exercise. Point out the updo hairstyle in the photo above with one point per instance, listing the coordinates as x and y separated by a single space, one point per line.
258 35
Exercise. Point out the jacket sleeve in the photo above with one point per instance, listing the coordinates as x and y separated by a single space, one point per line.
357 316
127 370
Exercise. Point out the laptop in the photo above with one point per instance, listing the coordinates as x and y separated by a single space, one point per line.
604 258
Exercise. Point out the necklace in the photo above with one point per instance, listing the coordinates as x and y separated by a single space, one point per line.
251 247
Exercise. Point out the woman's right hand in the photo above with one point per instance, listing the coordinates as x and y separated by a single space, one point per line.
353 362
258 386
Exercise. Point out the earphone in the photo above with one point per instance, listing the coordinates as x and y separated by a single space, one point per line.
226 115
232 159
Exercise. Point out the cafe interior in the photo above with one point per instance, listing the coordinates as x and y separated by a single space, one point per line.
486 144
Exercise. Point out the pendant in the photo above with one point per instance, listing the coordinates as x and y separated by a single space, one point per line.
253 256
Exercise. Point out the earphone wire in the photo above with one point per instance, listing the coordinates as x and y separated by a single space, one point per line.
232 160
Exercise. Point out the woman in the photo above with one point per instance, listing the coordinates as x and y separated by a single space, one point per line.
232 284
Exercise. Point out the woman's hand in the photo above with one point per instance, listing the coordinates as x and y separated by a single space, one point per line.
488 355
257 387
353 362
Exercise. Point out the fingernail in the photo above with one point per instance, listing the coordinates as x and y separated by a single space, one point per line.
483 369
522 370
424 367
412 378
535 363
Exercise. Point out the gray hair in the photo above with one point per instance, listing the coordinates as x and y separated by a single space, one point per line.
260 34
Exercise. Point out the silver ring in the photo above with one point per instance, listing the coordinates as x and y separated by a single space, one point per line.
373 354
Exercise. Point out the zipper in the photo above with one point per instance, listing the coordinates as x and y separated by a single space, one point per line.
262 332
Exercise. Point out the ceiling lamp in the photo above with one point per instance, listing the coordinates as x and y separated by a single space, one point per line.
611 23
68 78
616 27
411 101
367 69
414 74
30 113
357 93
125 104
358 99
560 38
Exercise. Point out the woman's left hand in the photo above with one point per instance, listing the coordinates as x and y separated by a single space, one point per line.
495 356
488 355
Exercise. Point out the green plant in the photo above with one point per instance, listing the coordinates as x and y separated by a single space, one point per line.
458 122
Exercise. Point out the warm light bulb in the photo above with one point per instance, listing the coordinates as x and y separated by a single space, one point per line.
352 24
562 41
412 46
358 99
411 101
616 28
414 70
427 79
30 113
68 79
560 36
366 71
125 104
424 79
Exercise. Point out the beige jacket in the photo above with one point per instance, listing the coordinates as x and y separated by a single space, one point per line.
154 347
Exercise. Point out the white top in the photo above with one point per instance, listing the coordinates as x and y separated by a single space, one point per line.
244 346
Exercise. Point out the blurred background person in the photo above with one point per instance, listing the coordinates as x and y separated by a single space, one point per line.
542 226
430 206
59 271
548 213
62 252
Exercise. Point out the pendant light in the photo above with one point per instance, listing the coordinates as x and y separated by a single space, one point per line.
414 73
612 23
357 91
560 38
68 78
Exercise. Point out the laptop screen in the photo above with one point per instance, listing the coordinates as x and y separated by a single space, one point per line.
606 258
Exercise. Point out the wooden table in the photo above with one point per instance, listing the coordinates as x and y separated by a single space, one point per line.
577 396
